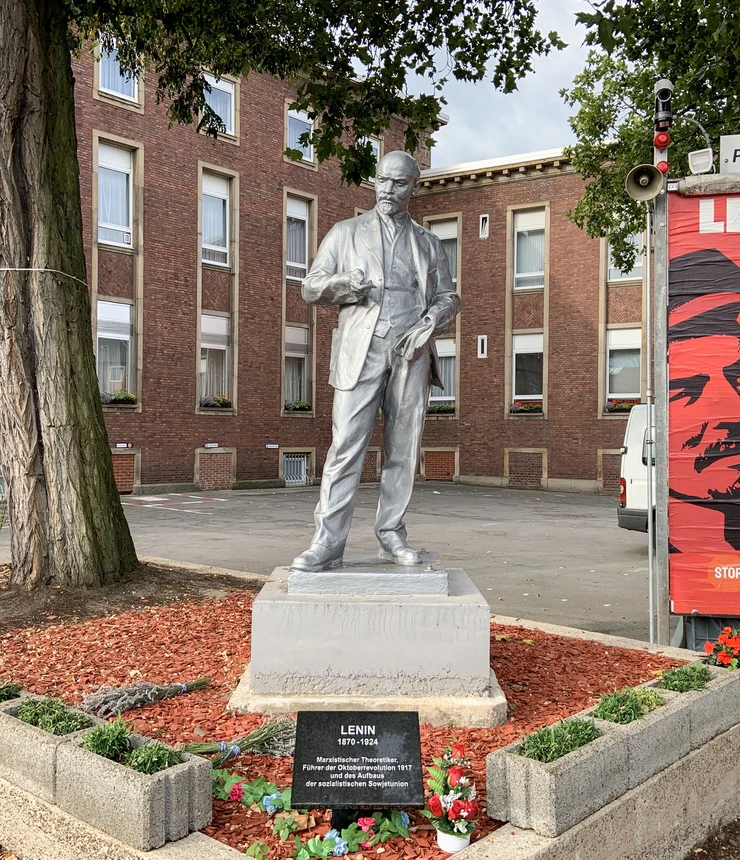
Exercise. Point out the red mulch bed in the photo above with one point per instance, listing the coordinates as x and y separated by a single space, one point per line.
545 678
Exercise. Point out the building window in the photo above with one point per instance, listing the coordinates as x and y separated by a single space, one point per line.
215 219
221 101
482 346
446 232
299 124
635 272
529 249
115 168
214 356
296 245
623 363
444 400
375 146
113 80
527 366
115 333
296 369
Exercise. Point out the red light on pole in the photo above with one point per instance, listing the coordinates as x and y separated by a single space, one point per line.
661 140
662 166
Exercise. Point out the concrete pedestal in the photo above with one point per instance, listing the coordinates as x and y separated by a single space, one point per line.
373 651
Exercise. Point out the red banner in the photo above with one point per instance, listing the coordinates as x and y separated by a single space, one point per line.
704 404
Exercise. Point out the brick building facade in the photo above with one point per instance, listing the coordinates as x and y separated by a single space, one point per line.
195 250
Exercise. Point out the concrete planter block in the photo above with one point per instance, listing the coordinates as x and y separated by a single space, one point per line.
658 739
714 709
28 755
552 798
141 810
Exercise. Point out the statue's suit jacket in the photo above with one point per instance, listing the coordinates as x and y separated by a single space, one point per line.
357 244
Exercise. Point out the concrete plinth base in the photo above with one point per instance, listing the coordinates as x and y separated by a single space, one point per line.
375 651
480 711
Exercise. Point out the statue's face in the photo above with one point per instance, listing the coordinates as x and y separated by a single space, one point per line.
396 182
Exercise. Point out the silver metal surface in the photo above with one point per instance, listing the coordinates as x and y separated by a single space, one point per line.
391 280
660 335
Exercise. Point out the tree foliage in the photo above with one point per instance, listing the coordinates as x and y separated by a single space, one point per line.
351 59
694 43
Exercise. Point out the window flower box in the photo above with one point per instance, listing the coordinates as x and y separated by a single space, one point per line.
118 398
526 407
619 406
298 406
211 402
441 409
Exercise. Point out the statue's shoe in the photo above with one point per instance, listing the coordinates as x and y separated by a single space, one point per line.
317 558
394 548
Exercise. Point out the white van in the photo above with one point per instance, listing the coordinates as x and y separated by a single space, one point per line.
632 510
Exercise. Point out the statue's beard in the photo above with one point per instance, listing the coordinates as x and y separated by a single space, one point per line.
388 207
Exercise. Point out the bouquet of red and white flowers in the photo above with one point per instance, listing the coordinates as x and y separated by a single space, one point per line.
452 808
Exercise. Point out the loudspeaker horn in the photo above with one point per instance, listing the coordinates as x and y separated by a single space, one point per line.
644 182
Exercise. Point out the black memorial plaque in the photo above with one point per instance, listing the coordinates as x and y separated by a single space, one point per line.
357 760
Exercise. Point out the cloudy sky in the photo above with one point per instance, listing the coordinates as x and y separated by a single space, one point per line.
485 123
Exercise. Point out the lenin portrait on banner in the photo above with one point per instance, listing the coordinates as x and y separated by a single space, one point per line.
704 404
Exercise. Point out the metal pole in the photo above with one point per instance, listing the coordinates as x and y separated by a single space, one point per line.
660 344
649 431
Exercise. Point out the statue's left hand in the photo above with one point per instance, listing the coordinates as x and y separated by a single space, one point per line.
412 343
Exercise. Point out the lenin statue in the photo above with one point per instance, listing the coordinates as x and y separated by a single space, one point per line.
391 280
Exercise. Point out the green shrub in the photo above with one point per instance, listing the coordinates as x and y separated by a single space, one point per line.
553 742
693 676
9 691
110 740
52 716
152 758
627 705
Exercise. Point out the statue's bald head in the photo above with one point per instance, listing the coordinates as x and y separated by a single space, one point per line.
399 161
396 181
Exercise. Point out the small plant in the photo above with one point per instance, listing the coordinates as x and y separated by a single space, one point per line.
284 826
619 405
219 401
8 690
116 398
152 758
693 676
109 741
297 406
452 808
51 716
525 406
628 705
258 850
553 742
726 650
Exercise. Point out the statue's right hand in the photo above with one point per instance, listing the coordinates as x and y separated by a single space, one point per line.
357 283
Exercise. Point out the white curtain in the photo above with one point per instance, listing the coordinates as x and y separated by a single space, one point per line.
296 248
113 198
299 124
450 246
114 346
295 379
530 258
624 372
447 375
214 228
213 382
111 78
219 100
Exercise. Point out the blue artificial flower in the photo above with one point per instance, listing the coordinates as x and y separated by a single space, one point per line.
332 834
405 819
273 802
340 848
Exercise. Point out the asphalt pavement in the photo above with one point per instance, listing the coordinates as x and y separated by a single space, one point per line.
554 557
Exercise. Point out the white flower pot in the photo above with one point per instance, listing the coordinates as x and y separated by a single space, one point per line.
451 844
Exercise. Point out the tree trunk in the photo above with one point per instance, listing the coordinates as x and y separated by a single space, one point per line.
66 521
